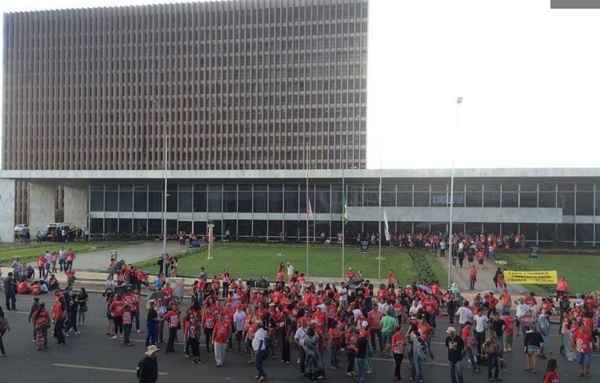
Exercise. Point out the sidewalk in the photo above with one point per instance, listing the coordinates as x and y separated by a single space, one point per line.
485 278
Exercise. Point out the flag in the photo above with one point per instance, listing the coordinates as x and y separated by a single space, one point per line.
387 227
309 211
345 209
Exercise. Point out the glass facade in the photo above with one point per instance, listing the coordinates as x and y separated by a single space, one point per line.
267 210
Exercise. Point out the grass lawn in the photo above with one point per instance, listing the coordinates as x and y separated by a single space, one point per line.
580 270
29 252
253 260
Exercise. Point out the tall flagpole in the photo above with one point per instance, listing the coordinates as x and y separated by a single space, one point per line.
380 213
307 218
343 222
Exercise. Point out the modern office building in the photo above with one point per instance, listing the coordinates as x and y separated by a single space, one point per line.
256 84
548 206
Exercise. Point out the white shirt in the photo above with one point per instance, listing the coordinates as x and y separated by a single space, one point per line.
464 315
522 310
259 342
239 319
383 307
300 335
290 270
481 322
357 314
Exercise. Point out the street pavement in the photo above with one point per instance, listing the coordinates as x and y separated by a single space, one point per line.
93 357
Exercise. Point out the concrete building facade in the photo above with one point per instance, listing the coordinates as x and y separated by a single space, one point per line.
547 206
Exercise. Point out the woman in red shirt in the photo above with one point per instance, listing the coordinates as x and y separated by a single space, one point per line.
398 346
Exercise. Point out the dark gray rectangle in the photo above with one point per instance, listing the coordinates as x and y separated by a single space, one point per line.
575 4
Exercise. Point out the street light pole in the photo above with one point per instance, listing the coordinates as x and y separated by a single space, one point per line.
450 230
164 215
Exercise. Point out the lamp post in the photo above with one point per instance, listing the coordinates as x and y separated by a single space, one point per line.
459 101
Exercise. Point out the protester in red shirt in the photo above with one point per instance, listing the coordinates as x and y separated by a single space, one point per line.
171 317
374 319
116 313
221 333
398 347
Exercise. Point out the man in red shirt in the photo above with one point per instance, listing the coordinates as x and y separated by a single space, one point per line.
221 333
116 313
398 346
374 319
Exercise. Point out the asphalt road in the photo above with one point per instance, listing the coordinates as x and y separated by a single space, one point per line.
93 357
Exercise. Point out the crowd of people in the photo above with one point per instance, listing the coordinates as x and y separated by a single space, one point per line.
322 326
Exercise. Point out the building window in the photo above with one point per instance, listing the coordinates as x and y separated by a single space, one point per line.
260 199
585 199
510 195
528 195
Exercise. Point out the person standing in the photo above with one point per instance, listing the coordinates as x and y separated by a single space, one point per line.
492 350
398 348
532 343
10 292
127 320
388 326
151 324
583 339
34 308
456 347
481 325
464 314
147 368
58 316
361 358
4 328
172 319
82 299
259 345
472 277
221 333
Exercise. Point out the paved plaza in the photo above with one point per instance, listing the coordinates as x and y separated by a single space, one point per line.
93 357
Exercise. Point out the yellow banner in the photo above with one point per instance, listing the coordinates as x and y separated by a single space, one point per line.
531 277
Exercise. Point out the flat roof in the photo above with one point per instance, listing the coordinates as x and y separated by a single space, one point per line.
88 175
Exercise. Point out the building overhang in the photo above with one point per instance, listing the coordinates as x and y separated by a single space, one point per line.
91 175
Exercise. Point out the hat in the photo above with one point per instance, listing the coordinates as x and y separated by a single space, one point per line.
151 350
451 330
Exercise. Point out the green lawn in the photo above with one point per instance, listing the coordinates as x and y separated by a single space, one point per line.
253 260
580 270
29 252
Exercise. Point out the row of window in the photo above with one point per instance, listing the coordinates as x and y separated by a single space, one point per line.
328 198
242 229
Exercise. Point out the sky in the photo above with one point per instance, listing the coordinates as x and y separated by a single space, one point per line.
529 77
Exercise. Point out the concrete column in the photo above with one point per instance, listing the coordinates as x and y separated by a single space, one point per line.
42 206
7 210
76 205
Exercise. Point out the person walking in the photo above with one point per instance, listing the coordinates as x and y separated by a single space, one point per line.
532 344
127 322
456 347
58 317
481 326
259 345
361 358
492 351
388 325
35 306
82 299
4 328
147 368
10 292
221 333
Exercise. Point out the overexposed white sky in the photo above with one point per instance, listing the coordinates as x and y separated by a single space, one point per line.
529 77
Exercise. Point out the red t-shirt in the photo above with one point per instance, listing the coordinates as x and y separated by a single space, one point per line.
221 332
398 343
551 377
583 340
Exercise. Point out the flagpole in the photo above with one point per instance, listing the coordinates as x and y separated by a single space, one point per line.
379 218
343 222
307 217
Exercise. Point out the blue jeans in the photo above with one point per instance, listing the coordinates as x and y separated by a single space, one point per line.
456 373
361 364
418 362
260 359
151 334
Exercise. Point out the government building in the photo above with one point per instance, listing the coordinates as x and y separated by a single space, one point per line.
253 112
